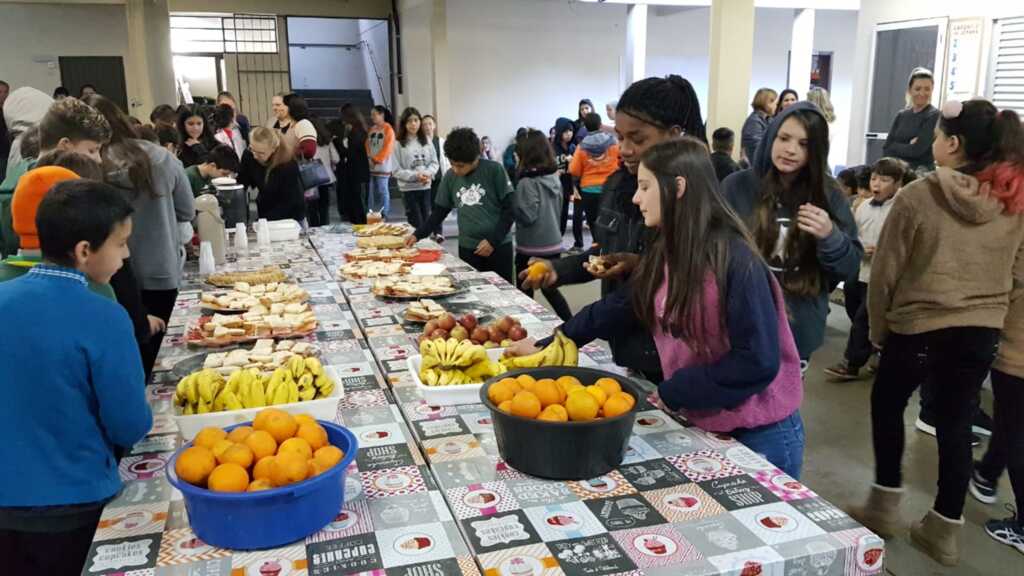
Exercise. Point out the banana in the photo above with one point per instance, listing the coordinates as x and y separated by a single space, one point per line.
296 365
281 394
571 353
450 347
553 354
188 410
257 397
428 349
218 402
204 407
326 389
271 391
464 353
429 376
235 380
192 390
231 401
181 391
445 379
314 366
293 391
306 380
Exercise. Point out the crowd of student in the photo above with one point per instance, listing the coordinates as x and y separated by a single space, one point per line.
715 282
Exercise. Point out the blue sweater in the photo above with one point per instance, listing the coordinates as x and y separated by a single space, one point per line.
72 386
751 324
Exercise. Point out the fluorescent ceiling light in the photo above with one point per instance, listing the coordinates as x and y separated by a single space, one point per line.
818 4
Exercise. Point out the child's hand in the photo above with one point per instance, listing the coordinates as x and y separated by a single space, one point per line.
542 276
576 197
410 240
869 251
484 249
423 178
156 325
617 265
814 221
523 347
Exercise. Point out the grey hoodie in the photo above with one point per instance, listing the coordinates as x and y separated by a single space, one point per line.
411 160
597 143
537 206
155 238
839 254
23 109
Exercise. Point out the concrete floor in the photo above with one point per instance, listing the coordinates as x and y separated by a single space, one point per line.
838 460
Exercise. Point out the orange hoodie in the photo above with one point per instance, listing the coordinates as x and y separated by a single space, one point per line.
592 171
380 142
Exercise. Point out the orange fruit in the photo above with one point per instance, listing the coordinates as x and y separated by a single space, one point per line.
240 434
314 434
526 404
536 271
296 446
259 423
288 468
314 468
328 456
261 471
609 385
195 464
548 392
281 426
581 406
220 446
526 382
501 391
209 436
228 477
262 484
506 406
598 393
615 406
305 419
239 454
554 413
262 444
564 382
626 397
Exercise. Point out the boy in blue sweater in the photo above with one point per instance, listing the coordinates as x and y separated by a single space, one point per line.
71 382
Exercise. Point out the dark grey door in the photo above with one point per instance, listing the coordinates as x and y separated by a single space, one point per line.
106 73
898 50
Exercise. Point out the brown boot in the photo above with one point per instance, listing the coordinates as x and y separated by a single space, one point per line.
881 513
939 537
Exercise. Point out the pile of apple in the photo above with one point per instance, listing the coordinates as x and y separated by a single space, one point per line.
500 333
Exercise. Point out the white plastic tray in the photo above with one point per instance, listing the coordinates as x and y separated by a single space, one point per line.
281 230
321 409
448 395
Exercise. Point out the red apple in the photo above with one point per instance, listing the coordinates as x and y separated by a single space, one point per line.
447 322
497 336
439 333
517 333
459 333
505 324
480 335
430 327
468 322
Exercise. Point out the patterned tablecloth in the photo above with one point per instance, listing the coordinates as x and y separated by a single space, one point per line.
683 502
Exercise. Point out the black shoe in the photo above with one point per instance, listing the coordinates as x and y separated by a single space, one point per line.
983 490
1008 531
574 250
982 423
842 372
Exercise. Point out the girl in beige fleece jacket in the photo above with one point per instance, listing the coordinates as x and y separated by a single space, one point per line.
941 282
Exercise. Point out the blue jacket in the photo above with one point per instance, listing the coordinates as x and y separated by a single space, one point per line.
839 254
73 388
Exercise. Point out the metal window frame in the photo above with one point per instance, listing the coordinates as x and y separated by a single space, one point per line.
994 56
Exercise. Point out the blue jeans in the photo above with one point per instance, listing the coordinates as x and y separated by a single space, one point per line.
380 199
781 443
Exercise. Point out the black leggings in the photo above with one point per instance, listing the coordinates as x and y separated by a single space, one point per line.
553 295
1006 448
956 360
159 303
48 552
858 343
501 261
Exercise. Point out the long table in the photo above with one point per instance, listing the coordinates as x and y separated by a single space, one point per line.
429 494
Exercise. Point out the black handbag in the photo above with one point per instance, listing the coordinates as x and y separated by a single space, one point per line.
313 174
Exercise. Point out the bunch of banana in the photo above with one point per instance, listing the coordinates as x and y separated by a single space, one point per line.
208 391
561 352
451 362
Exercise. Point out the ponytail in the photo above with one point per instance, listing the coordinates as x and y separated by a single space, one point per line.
1003 177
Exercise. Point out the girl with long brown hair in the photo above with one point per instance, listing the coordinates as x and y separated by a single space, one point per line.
714 309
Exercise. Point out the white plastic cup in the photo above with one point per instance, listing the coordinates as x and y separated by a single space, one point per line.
241 237
207 265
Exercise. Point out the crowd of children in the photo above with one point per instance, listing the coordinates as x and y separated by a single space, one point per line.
715 283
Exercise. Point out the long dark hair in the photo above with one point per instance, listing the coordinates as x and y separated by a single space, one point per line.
323 133
123 147
388 117
297 107
801 269
535 153
691 244
353 118
403 133
993 145
188 111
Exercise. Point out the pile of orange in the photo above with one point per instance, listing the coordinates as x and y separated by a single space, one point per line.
277 450
562 400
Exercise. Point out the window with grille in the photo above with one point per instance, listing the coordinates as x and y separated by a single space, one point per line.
205 34
1006 76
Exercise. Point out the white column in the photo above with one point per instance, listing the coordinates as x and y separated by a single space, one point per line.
636 42
731 60
800 50
442 82
149 69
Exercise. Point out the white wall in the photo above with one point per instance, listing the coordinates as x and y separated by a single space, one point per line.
376 62
417 57
873 12
677 43
835 31
44 32
325 67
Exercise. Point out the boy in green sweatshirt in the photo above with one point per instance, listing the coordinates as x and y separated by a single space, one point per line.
220 162
480 191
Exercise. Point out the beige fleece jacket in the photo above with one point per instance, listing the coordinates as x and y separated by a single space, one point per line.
947 257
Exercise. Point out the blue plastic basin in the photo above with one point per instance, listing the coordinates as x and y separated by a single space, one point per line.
269 518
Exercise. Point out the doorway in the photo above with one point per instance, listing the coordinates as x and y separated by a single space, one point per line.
199 79
106 73
898 48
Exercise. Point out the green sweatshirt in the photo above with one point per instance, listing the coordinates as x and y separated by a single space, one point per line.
196 180
9 242
16 266
483 199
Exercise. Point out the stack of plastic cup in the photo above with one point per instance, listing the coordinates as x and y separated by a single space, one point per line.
207 265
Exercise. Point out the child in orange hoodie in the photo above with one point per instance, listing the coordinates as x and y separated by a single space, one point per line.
595 159
380 141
